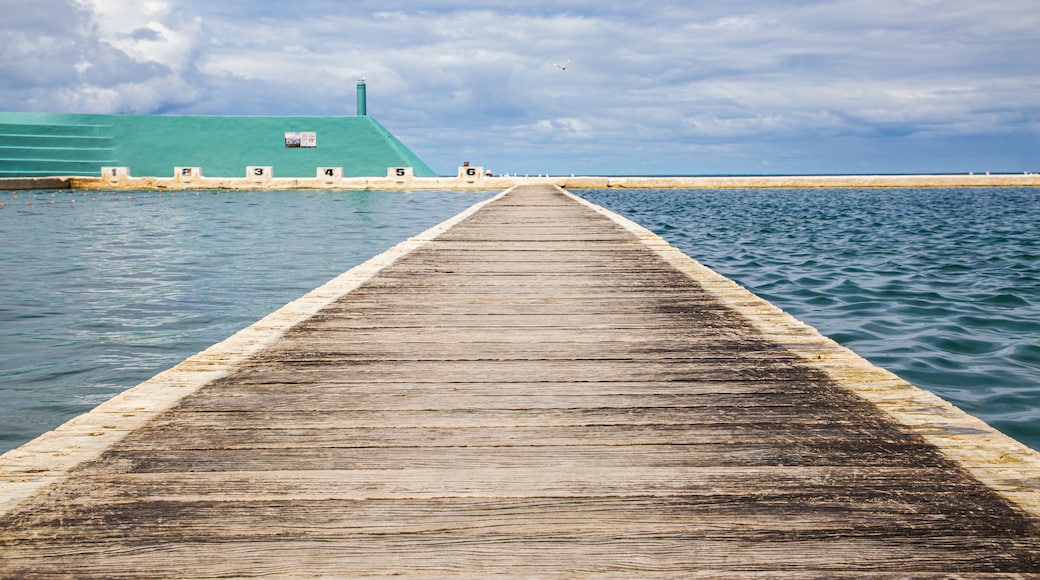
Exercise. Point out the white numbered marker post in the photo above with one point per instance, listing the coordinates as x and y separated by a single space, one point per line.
187 174
470 174
400 173
115 174
258 173
330 174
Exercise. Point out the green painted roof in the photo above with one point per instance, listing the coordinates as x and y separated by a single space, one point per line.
34 144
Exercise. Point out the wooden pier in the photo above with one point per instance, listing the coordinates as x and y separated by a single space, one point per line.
536 388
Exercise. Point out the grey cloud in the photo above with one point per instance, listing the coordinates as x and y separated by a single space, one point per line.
40 43
146 34
44 17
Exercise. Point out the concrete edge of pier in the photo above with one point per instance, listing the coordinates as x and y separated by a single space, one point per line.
47 458
482 182
1005 465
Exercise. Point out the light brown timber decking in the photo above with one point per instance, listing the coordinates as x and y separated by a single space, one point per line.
542 390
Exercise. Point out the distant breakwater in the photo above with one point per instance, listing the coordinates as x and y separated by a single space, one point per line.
484 182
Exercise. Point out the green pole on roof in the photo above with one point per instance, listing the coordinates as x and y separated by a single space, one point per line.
362 105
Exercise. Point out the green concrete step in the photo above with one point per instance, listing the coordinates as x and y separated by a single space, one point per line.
84 130
53 166
77 141
92 154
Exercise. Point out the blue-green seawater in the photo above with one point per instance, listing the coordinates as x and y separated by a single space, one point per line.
940 286
102 290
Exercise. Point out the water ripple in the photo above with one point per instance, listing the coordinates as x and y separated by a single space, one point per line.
97 297
941 286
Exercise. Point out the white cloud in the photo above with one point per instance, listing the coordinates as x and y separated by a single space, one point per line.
134 98
148 31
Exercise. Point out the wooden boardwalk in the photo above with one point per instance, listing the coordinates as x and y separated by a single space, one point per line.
540 390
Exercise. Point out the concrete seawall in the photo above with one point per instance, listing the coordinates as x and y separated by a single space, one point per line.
504 182
27 183
804 181
572 182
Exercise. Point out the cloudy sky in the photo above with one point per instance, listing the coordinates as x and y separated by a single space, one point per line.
735 87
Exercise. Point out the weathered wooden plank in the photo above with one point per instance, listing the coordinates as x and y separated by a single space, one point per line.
343 390
520 417
450 397
598 327
491 554
374 456
713 433
348 355
472 304
373 336
523 282
507 371
587 480
420 345
712 517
